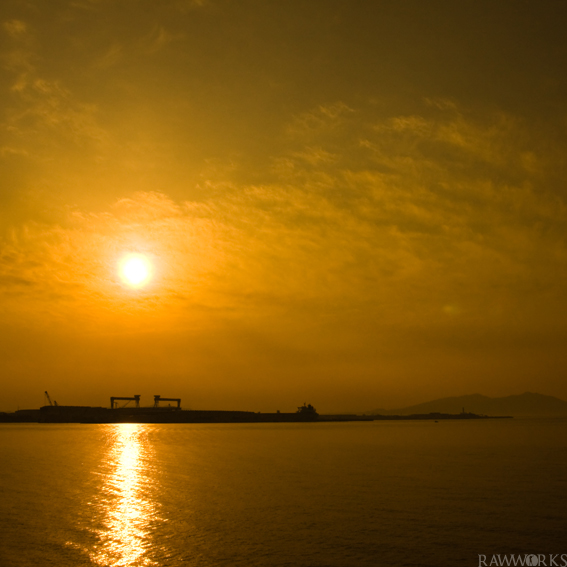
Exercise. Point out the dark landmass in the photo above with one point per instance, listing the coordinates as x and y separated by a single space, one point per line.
432 416
524 405
20 416
87 414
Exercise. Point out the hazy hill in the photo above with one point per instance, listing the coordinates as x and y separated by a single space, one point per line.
527 404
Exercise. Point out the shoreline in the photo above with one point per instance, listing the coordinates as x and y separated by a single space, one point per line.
100 415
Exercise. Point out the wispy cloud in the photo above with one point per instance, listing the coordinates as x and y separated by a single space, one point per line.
405 238
369 237
323 120
42 110
159 38
18 57
385 233
15 28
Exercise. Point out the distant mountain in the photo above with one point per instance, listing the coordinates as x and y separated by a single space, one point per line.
527 404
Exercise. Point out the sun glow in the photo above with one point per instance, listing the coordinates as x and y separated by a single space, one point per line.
135 270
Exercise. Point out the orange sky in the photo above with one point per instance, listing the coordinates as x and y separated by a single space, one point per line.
354 204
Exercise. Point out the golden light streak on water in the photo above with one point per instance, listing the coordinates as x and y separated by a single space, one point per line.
125 535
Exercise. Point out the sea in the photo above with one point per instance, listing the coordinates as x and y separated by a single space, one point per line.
336 494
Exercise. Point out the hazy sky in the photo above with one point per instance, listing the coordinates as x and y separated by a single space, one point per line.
356 204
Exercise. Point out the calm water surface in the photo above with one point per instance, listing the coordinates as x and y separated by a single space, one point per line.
328 494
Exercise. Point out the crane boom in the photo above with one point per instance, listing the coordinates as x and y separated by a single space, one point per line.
157 400
135 398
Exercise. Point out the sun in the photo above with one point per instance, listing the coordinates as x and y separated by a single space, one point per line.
135 270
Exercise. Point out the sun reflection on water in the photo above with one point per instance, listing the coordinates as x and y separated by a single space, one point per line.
124 532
